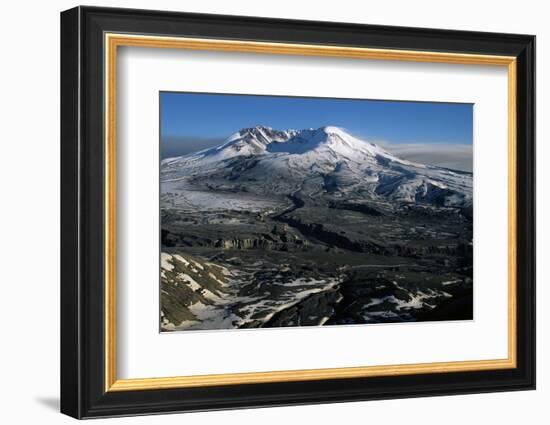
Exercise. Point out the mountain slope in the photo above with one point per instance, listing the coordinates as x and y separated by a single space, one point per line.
319 165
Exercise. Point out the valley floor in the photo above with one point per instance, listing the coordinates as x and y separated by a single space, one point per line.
236 270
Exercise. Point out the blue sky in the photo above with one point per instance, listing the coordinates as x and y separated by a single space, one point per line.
193 121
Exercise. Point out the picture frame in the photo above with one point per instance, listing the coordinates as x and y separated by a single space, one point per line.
91 38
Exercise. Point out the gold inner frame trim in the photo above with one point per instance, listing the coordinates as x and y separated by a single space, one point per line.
113 41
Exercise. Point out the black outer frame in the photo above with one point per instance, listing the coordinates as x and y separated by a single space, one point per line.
82 219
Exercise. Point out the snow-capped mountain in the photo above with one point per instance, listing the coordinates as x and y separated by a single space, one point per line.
308 228
318 164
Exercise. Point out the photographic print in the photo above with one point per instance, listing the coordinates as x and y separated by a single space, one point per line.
321 219
280 211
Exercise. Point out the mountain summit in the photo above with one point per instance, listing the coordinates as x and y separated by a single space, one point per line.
322 163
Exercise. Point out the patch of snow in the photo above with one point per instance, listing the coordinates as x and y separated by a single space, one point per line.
213 276
190 281
197 264
181 259
164 261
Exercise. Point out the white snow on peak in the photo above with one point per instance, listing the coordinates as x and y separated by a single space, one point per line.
267 161
261 140
333 143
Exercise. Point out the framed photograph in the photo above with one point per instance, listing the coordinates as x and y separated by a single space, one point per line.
261 212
